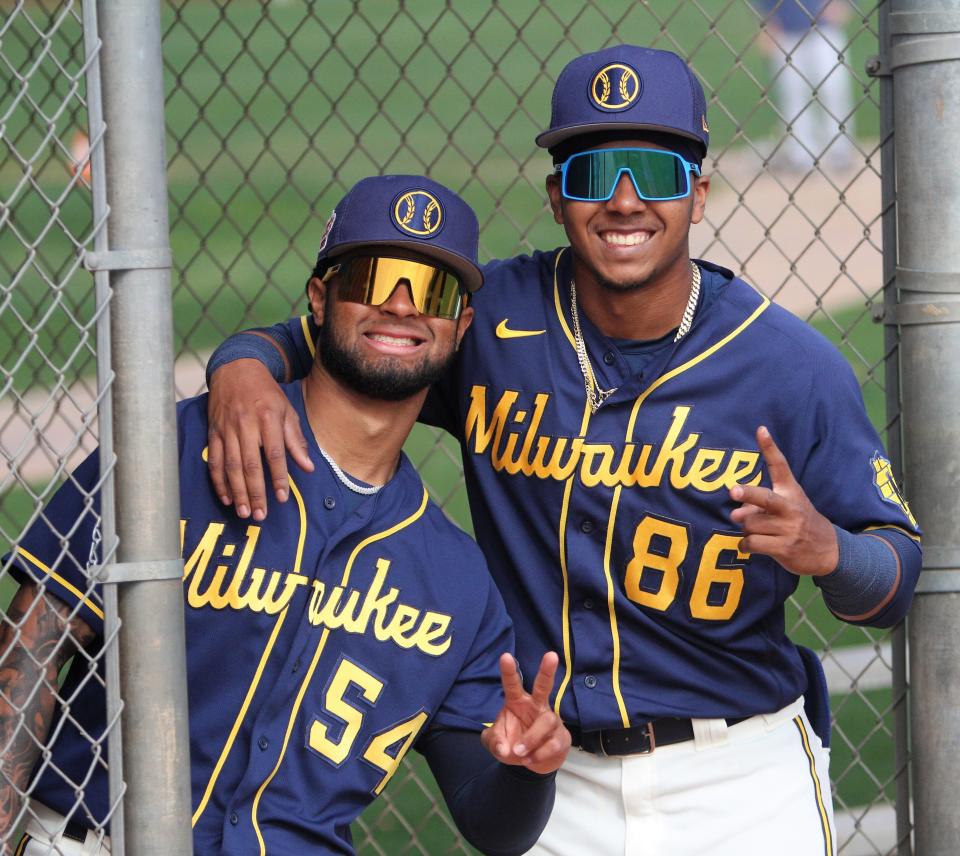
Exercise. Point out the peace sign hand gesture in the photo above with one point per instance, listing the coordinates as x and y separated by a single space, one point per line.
527 732
781 522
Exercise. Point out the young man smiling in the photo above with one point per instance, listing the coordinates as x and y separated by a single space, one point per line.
324 643
617 404
622 245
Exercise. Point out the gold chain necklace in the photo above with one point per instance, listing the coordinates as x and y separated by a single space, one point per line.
595 395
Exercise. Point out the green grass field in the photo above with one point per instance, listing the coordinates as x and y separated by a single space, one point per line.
274 109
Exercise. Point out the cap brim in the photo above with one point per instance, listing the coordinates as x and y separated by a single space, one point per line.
548 139
468 272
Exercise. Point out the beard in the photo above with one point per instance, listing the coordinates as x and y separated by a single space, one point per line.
389 379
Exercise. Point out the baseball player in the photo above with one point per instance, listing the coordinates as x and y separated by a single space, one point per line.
654 454
322 645
814 94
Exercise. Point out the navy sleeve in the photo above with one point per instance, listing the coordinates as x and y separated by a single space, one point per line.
500 809
61 549
476 696
878 568
836 454
285 348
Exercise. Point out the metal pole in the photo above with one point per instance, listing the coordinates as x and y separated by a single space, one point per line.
151 638
925 62
96 130
891 345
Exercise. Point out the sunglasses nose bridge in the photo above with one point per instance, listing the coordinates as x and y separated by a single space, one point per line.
400 300
617 192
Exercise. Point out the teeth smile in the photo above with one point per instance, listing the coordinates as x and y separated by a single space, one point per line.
623 240
392 340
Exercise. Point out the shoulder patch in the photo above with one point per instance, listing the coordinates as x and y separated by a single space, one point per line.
886 485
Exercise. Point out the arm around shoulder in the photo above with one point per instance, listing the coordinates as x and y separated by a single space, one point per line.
247 412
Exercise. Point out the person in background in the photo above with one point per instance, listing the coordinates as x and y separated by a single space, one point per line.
805 42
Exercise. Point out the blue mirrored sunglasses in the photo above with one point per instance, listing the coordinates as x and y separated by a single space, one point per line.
657 175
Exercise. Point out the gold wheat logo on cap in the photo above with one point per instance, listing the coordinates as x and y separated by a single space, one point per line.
615 87
418 213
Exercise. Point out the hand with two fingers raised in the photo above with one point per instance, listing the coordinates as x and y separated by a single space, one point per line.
781 522
527 732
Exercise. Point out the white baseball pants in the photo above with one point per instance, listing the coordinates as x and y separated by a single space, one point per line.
757 788
44 836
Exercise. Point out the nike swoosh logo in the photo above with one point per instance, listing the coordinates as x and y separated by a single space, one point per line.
504 332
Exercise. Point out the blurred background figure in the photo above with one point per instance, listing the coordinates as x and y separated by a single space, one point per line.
80 152
805 40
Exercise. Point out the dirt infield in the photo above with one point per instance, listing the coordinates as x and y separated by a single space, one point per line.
805 240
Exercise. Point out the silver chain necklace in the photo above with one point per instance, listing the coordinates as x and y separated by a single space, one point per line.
595 395
345 480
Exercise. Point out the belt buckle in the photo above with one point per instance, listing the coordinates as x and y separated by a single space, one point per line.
647 731
651 740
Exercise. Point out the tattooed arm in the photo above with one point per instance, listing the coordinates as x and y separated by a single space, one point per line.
37 638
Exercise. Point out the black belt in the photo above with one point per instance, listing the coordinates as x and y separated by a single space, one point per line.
73 831
639 740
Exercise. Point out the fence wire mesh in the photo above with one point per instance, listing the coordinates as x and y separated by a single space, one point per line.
49 395
275 109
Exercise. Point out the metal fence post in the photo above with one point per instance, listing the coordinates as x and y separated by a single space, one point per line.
891 347
925 61
152 661
111 620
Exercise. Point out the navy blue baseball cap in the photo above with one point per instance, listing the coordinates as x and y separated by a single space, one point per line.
627 88
408 212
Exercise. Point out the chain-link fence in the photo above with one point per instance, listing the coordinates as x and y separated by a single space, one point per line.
274 109
51 384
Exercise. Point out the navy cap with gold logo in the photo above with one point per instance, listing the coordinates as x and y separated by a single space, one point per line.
409 212
625 88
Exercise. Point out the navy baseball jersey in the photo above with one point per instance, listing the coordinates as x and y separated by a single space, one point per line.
321 644
609 533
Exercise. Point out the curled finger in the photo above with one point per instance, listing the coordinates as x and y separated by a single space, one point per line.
543 727
295 442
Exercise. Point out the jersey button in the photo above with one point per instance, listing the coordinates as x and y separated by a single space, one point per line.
586 527
263 743
589 682
233 818
588 603
609 358
329 502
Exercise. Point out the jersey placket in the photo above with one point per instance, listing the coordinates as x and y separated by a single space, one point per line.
273 731
587 543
